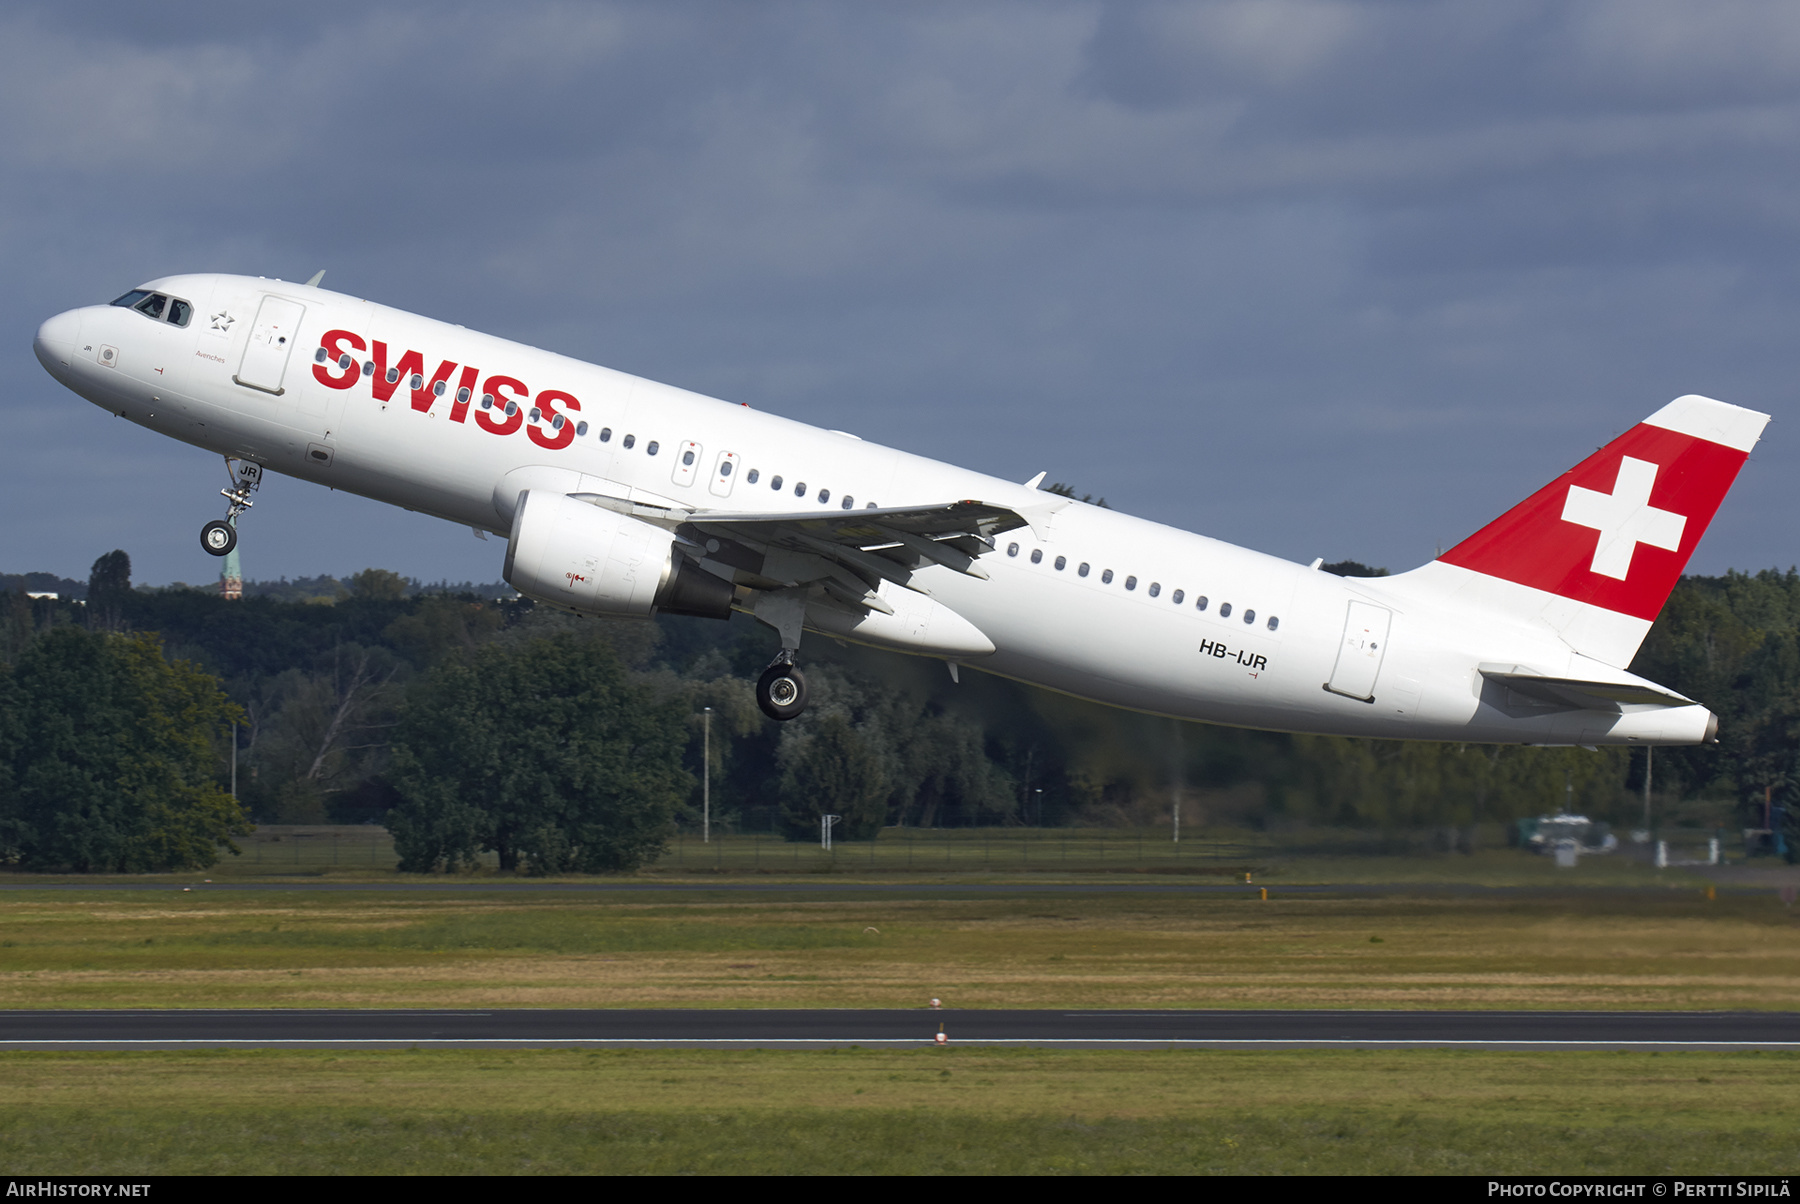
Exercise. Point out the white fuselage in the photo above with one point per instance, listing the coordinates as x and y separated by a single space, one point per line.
1128 632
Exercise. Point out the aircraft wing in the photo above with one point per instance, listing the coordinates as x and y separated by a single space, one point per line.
851 552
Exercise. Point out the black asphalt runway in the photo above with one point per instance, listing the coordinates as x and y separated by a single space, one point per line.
893 1028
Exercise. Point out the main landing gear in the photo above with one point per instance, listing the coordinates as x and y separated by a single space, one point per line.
781 690
219 536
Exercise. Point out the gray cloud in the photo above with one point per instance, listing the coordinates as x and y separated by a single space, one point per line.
1322 278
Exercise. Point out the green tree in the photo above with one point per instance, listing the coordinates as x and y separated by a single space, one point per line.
831 768
17 626
112 758
109 589
542 752
382 585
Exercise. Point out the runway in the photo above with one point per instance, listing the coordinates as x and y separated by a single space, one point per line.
893 1028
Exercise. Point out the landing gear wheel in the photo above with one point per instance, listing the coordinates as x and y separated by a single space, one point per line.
218 537
781 691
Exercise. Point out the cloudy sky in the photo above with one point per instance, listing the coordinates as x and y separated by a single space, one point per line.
1322 278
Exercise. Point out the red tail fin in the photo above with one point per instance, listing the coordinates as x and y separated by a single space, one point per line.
1616 530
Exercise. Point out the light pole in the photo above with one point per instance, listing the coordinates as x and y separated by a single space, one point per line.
234 760
706 780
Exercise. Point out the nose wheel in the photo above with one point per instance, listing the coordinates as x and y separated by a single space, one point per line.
219 536
781 690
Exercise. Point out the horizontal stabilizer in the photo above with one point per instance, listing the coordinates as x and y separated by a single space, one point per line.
1580 693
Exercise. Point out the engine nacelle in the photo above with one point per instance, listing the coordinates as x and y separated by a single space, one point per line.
581 557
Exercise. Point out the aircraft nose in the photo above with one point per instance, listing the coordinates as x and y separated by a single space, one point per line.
55 341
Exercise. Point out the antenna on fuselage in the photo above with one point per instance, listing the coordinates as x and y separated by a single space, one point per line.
316 277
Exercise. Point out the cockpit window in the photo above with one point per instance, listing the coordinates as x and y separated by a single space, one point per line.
157 307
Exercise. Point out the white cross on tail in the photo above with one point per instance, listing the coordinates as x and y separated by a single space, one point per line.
1625 518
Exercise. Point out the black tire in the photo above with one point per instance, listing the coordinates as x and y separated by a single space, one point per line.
781 692
218 537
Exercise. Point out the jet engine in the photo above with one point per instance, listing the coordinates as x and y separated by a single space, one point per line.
593 561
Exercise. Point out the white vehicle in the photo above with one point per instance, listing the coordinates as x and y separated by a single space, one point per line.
620 496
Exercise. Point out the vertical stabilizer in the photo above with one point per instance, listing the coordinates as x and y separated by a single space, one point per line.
1595 553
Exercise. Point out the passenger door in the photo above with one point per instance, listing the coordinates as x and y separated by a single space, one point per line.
1359 655
272 339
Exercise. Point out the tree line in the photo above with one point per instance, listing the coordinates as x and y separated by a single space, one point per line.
471 722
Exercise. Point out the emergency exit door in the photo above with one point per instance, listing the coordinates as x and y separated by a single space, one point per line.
1359 655
271 342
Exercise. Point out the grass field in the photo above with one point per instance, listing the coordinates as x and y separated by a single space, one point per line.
923 1111
1610 934
1390 949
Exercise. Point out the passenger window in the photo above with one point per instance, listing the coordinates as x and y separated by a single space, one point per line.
345 361
1012 549
1061 561
1200 602
581 429
1177 596
181 311
824 496
393 376
417 382
800 489
487 401
1224 610
1155 588
754 474
1037 555
559 423
651 449
1083 570
463 395
1106 577
512 407
1249 616
1131 583
687 457
536 413
368 367
606 434
1274 622
319 356
628 442
725 469
847 502
775 482
437 390
871 506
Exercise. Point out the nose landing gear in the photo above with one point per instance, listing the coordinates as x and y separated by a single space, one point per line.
219 536
781 690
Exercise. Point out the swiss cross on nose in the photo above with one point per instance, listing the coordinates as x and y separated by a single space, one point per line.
1625 518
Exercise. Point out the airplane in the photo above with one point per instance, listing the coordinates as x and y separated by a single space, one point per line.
620 496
